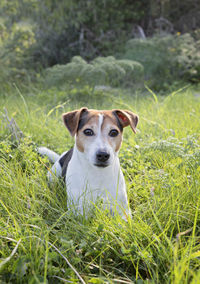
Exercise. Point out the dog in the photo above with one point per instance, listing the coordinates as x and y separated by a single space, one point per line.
91 169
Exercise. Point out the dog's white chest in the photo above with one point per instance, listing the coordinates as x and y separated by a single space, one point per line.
87 183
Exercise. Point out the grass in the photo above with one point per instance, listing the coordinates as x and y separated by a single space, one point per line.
40 242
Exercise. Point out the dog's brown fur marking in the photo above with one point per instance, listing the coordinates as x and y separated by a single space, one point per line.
79 120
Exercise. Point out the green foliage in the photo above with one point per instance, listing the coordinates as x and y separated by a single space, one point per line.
101 71
14 52
187 59
166 59
82 27
67 28
38 34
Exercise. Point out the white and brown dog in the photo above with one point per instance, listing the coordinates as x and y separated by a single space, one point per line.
91 169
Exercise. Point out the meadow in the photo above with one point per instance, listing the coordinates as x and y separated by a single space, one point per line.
42 242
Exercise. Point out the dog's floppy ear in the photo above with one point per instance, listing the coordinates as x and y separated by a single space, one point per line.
71 119
126 117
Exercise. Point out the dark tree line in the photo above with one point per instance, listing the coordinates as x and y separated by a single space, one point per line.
61 29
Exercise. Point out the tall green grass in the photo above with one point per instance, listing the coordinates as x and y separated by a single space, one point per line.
41 242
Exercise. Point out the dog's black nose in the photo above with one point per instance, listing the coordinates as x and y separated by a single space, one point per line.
102 156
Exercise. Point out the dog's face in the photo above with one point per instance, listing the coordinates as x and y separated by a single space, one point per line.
99 133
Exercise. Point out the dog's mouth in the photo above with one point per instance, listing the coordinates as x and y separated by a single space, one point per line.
101 165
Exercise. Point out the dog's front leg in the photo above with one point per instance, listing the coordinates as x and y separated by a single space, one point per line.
55 171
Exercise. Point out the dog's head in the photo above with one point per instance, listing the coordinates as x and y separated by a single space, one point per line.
99 133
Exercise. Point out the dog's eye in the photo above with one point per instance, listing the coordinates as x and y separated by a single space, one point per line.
88 132
113 133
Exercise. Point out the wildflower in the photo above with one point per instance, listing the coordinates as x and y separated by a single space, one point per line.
152 191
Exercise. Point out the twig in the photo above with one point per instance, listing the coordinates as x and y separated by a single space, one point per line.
67 261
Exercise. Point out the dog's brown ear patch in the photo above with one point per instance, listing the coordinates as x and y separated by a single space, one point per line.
126 118
71 119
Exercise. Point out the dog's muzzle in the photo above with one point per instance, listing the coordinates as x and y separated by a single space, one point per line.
102 158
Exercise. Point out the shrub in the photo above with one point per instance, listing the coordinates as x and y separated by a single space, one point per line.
14 52
166 59
101 71
187 57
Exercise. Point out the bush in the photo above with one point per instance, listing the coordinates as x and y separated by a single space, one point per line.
14 52
187 57
101 71
151 53
166 59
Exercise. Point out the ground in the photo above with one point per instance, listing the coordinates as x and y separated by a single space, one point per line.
41 242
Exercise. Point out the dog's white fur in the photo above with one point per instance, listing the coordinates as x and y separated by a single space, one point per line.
85 180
